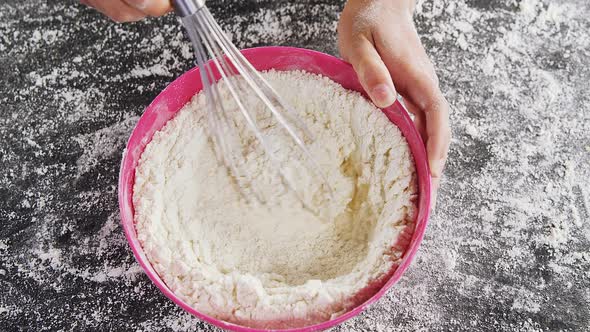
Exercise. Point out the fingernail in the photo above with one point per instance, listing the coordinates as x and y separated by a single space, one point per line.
436 167
433 204
137 4
383 95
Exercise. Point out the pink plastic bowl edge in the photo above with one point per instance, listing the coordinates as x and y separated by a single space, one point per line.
175 95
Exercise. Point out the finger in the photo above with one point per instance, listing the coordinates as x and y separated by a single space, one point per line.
420 123
151 7
117 10
419 118
433 196
434 114
372 72
438 131
439 137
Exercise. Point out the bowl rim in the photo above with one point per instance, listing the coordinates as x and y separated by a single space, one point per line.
395 112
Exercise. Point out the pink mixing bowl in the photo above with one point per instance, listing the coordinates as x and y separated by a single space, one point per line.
179 92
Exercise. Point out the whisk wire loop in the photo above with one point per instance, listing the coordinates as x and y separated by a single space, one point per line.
228 63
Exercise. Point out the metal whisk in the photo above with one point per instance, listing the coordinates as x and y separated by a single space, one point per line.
243 82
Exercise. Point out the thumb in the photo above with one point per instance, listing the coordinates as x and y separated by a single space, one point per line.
372 72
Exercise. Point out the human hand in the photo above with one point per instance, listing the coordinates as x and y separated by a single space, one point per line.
129 10
379 39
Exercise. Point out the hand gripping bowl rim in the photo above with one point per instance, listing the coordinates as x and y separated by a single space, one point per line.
176 94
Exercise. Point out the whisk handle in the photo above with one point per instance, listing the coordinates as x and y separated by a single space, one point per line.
187 7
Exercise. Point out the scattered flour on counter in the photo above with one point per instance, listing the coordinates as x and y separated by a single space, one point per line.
102 143
506 214
277 265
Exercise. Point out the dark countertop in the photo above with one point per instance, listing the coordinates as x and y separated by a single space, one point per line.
508 247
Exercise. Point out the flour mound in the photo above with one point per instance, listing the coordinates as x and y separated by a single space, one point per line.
279 264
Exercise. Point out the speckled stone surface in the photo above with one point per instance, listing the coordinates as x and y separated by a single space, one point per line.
507 249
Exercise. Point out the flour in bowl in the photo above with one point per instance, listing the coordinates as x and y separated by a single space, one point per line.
278 265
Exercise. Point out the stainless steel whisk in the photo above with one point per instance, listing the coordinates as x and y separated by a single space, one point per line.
243 81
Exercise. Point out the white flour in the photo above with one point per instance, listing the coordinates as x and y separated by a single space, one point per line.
277 265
